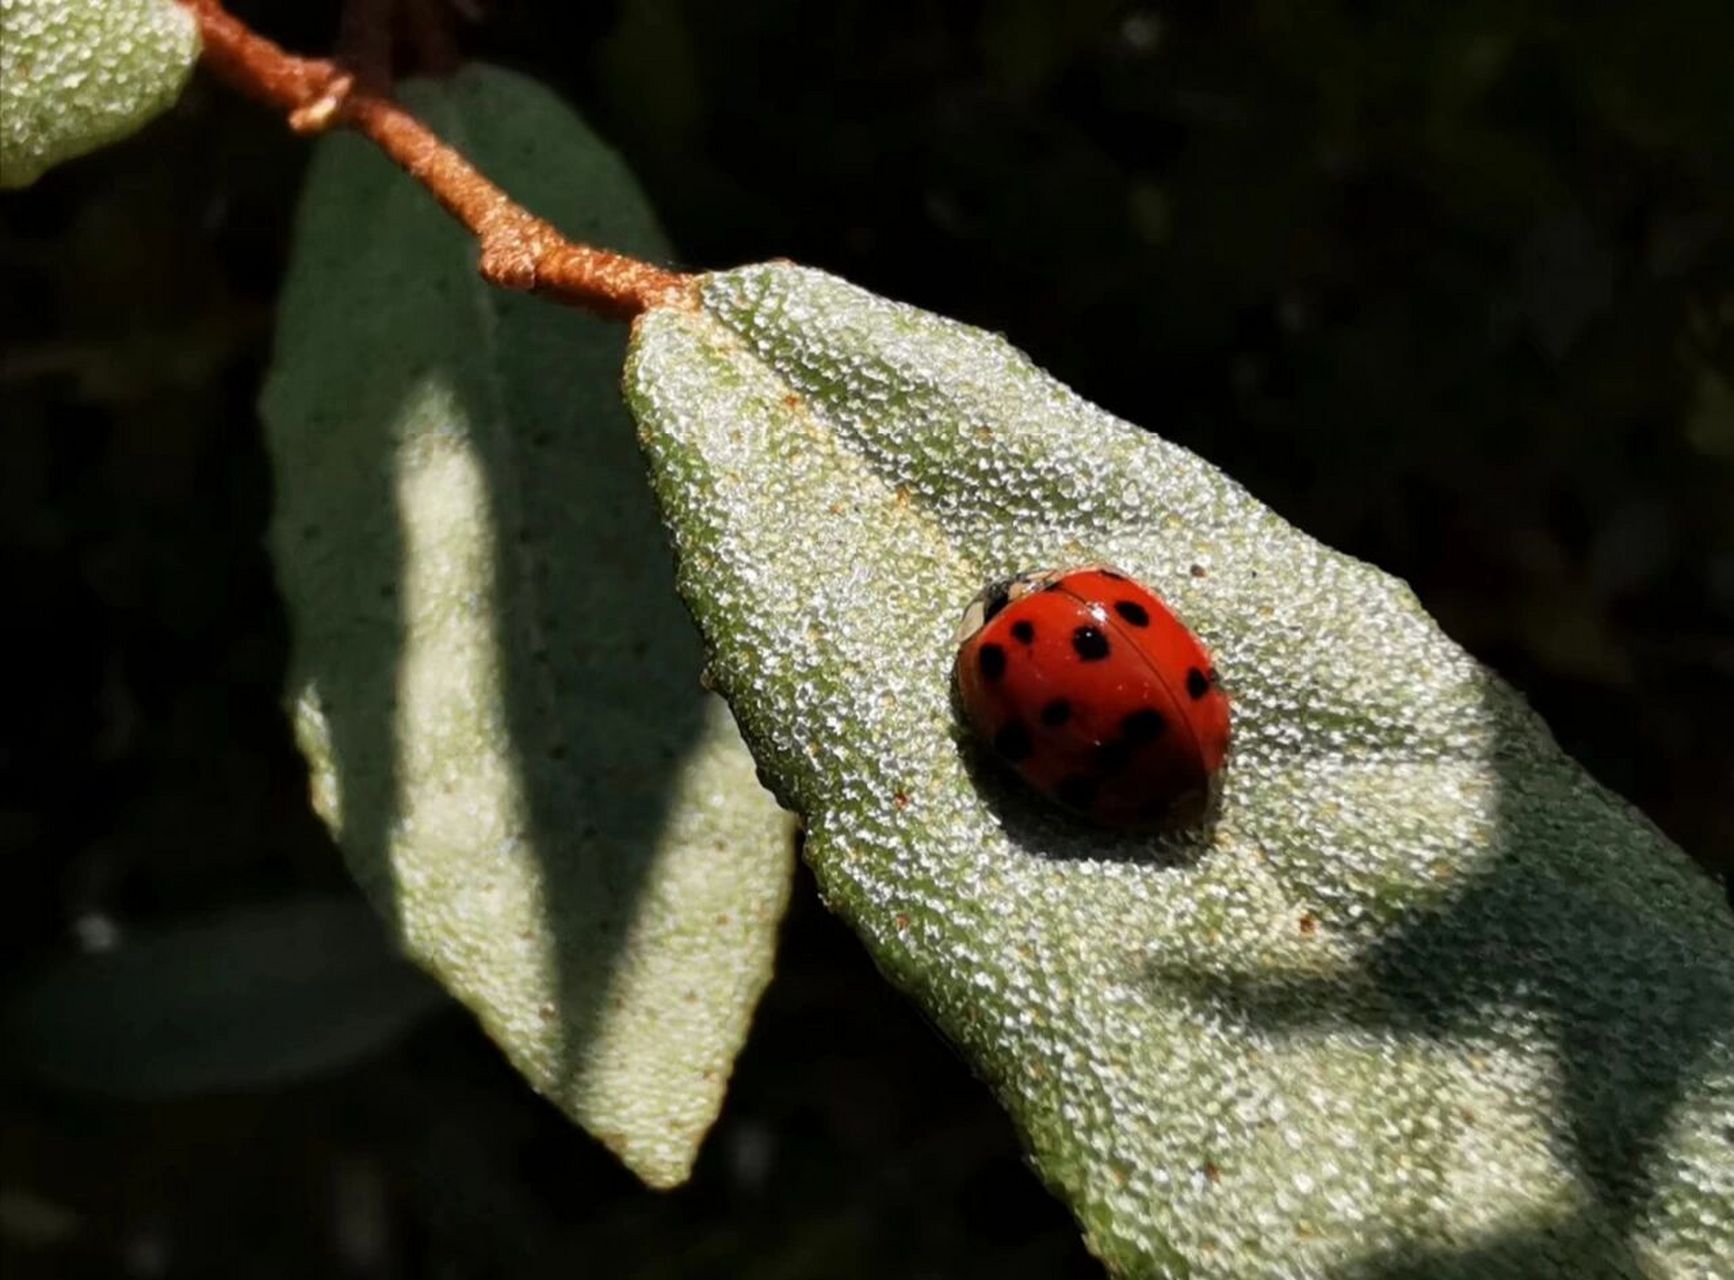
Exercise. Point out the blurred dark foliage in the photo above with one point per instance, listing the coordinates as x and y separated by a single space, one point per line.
1452 287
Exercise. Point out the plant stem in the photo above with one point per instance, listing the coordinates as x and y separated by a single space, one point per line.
518 249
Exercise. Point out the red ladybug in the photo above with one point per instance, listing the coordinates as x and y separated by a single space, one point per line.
1096 694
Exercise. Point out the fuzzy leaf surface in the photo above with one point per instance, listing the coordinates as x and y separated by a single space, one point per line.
1426 1000
76 75
493 680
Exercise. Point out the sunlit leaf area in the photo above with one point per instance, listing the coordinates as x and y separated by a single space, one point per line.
388 888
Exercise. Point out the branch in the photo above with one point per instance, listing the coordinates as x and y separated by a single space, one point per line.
518 249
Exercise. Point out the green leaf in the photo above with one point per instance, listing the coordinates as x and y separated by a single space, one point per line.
256 997
1426 1000
494 681
78 74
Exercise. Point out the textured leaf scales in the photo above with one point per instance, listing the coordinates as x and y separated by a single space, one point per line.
1426 1000
494 682
77 74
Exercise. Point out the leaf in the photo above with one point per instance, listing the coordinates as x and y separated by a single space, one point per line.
495 684
252 998
76 75
1425 998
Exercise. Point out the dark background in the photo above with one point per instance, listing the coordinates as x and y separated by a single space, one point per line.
1451 287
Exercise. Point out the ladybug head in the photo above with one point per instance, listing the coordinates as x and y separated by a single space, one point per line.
996 596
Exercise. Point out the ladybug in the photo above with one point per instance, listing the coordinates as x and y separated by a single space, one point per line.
1088 686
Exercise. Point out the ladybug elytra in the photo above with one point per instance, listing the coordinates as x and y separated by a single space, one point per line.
1087 685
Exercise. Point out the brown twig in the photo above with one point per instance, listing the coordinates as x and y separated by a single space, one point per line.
518 249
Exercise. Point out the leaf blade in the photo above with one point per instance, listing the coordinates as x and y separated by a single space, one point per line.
494 684
76 75
1397 826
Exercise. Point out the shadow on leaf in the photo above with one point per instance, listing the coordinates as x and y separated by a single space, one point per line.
504 679
1571 932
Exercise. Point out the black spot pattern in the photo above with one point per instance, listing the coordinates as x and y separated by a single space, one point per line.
1143 726
1113 755
1077 791
991 659
1090 644
1197 683
1056 713
1013 742
1024 631
997 599
1133 612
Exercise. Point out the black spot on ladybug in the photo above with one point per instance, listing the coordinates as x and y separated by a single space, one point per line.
1143 726
1132 612
1023 631
997 599
1091 645
1077 791
991 659
1197 683
1113 755
1013 742
1056 713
